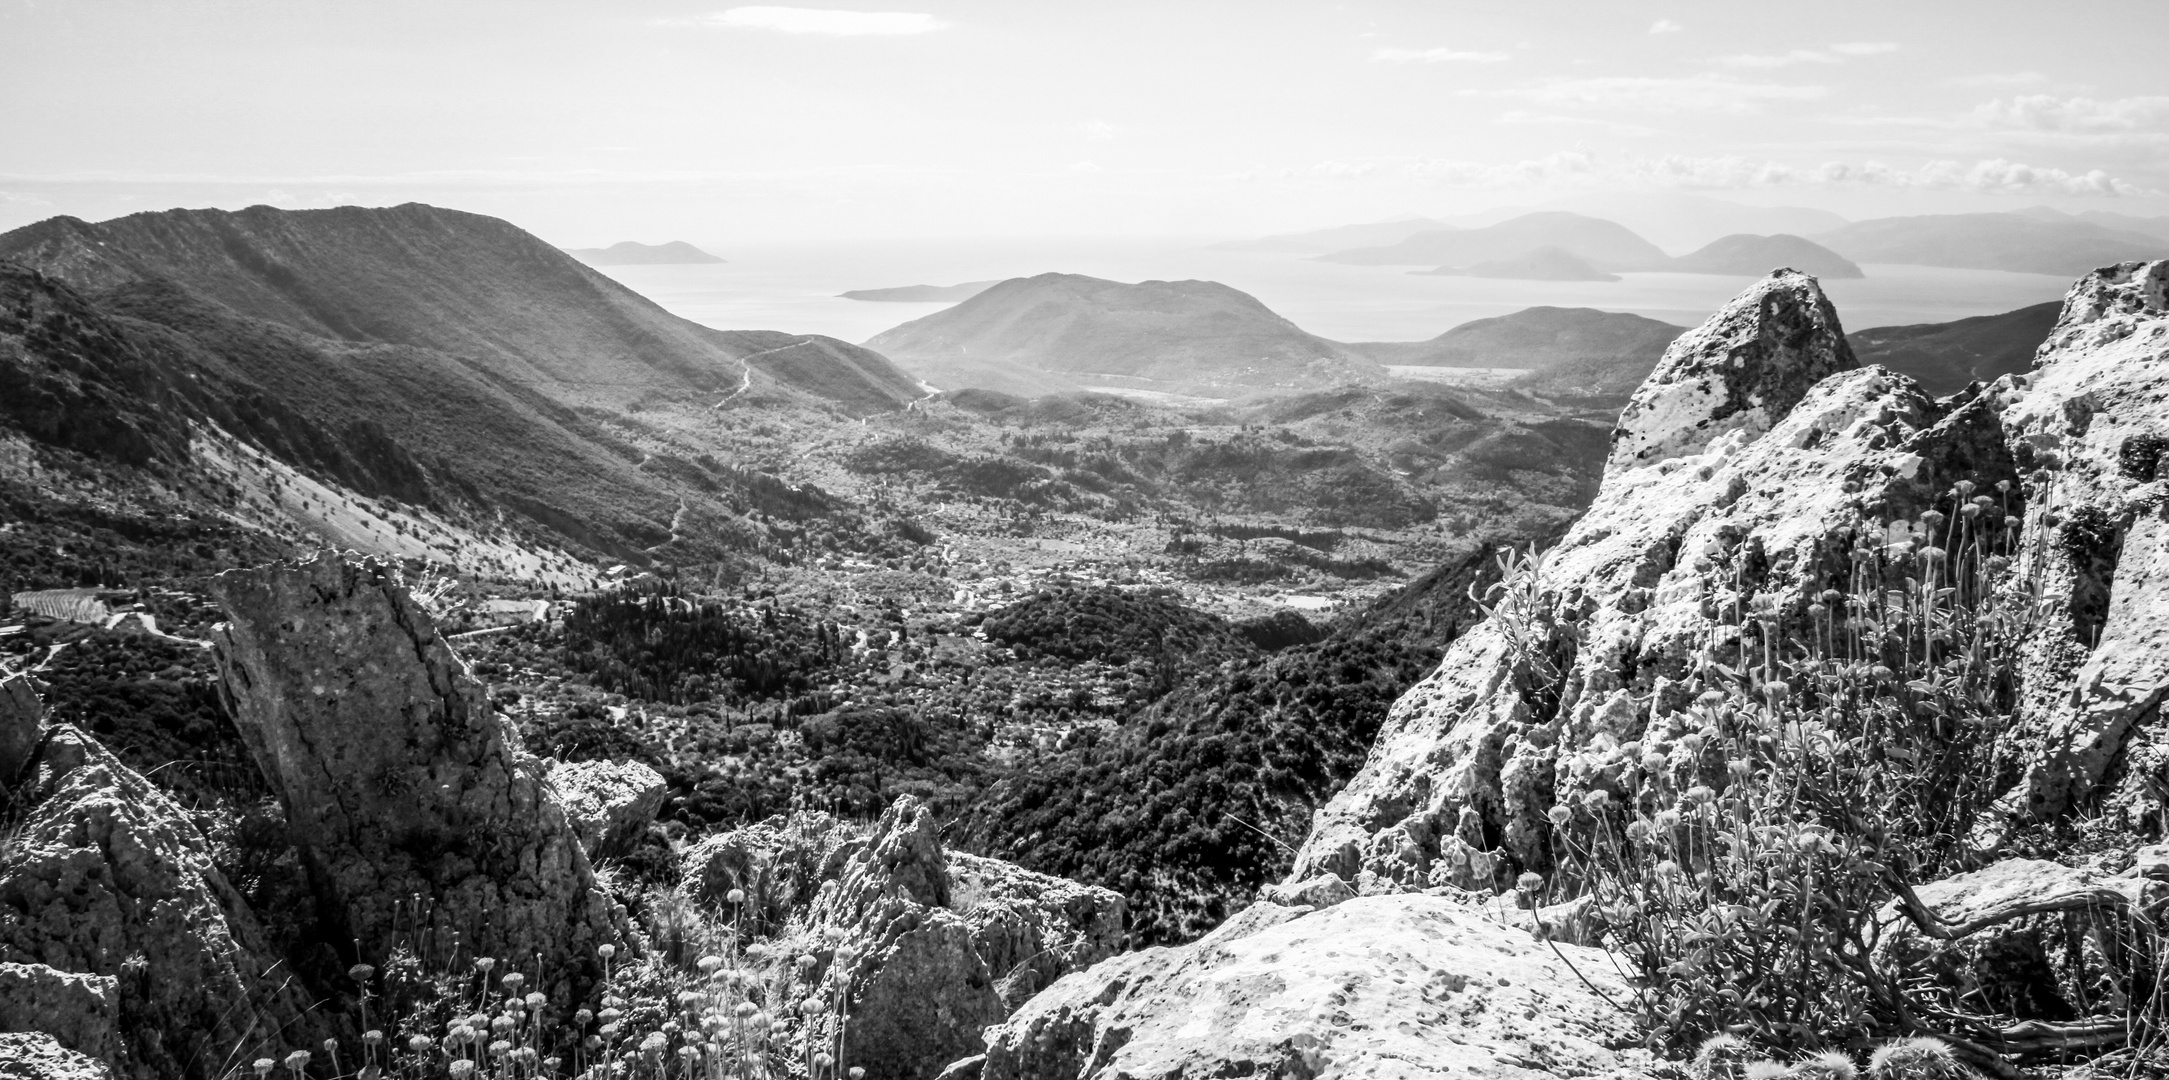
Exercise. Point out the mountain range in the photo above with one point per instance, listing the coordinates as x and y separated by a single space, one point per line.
2015 242
1605 245
633 253
920 294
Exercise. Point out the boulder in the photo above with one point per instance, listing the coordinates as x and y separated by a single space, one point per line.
22 722
2089 427
80 1011
610 804
399 779
107 877
1378 986
923 948
34 1055
1755 459
1322 891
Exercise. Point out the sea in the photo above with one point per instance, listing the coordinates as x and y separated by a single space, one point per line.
794 288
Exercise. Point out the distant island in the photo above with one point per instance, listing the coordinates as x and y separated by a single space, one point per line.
922 293
631 253
1540 264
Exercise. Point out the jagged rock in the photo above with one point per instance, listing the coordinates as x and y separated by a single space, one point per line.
929 946
2090 429
1322 891
2025 937
34 1055
106 876
22 721
1740 482
1379 986
78 1010
610 804
398 778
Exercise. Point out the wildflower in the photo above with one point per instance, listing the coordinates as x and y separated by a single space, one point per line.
1667 869
822 1061
744 1010
1692 741
297 1061
535 1000
526 1055
812 1007
735 896
1529 882
1763 1070
611 1015
264 1066
360 973
1667 820
372 1037
1596 798
1638 831
1721 1055
512 981
1914 1059
606 951
462 1069
1740 768
500 1047
1701 794
592 1042
654 1043
484 964
1828 1065
709 963
857 1073
688 999
331 1046
689 1053
609 1030
1561 814
419 1044
584 1017
807 962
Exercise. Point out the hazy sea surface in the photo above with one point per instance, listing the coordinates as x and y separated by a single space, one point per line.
794 289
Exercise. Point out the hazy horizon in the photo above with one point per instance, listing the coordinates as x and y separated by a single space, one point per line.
591 123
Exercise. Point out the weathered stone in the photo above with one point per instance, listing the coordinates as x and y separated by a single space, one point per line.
22 721
2025 937
34 1055
78 1010
2090 428
1322 891
1379 986
929 946
106 876
398 778
610 804
1703 541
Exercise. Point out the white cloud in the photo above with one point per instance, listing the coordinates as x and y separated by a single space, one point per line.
1101 131
796 20
1581 169
1665 26
2077 115
1696 93
1086 166
1835 54
1437 56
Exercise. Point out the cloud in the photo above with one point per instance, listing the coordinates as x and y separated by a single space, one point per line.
1101 131
1524 117
1696 93
1581 169
2016 78
1665 26
796 20
1437 56
1835 54
2076 115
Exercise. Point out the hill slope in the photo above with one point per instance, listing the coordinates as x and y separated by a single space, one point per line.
634 253
1754 256
2014 242
1606 245
1947 356
1067 331
921 293
444 280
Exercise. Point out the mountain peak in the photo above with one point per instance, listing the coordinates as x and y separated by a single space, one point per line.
1741 371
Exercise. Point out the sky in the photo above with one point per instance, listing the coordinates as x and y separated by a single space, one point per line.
593 122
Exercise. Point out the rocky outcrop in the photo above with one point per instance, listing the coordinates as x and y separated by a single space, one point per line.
1379 986
1752 462
111 889
399 779
78 1010
34 1055
927 947
2090 429
611 804
22 721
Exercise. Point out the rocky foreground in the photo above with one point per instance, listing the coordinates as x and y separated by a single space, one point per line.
1757 487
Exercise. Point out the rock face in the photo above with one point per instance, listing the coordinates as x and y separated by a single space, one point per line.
108 887
2090 427
398 778
1750 462
34 1055
1378 986
930 947
610 804
22 721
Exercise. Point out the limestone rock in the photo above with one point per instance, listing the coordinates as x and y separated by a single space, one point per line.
929 947
106 876
1322 891
34 1055
610 804
78 1010
398 778
22 721
2090 428
1775 467
1379 986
